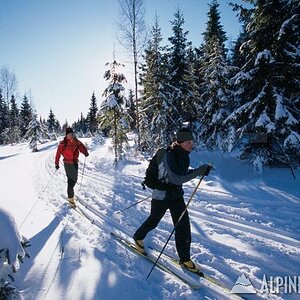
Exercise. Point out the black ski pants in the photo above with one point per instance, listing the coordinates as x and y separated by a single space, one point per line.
182 231
72 175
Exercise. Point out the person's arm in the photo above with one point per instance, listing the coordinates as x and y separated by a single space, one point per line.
176 179
58 154
83 149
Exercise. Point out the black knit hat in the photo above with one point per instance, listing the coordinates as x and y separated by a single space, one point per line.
69 130
184 134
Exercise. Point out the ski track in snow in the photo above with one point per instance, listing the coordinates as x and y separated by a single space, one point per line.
241 226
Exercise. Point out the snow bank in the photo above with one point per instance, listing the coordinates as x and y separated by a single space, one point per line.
10 237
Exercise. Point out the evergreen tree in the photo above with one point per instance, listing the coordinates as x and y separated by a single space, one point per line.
4 124
191 105
214 34
180 76
51 122
240 51
157 110
215 89
197 65
131 109
25 115
14 120
81 126
57 126
92 115
65 126
113 115
35 133
51 125
13 112
268 86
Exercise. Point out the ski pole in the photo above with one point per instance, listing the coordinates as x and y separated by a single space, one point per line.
38 198
82 173
175 226
136 203
45 187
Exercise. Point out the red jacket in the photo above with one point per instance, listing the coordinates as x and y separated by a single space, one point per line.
70 151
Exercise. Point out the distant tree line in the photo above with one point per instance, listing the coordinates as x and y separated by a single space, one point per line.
245 99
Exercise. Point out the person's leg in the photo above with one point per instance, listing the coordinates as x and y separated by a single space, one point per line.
158 209
72 174
183 229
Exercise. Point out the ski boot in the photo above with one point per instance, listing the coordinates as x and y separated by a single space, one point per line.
191 267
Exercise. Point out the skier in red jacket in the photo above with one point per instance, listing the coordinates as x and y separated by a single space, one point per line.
69 148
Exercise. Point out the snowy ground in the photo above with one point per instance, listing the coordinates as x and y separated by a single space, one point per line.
241 224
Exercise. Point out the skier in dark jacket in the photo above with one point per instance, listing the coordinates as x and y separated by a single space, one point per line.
173 171
69 148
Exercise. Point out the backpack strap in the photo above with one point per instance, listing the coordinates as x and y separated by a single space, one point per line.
154 163
159 155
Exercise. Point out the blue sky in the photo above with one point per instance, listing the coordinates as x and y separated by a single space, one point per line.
58 48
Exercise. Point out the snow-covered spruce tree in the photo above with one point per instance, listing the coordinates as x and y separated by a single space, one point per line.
239 52
35 133
92 115
181 78
14 121
4 121
131 109
13 112
157 110
268 86
81 126
216 97
112 113
25 115
52 125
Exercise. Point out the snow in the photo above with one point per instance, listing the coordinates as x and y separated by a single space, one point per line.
264 56
264 121
293 140
111 101
10 237
285 25
280 111
243 224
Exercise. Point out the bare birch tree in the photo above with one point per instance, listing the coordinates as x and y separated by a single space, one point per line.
133 37
8 83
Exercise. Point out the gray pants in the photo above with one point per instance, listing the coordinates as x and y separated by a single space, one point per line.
72 175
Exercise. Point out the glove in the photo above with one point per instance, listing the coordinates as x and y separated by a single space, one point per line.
209 168
204 170
56 167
